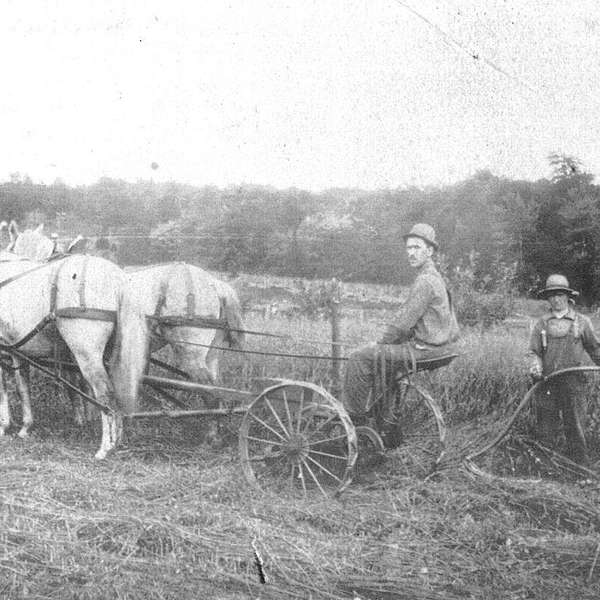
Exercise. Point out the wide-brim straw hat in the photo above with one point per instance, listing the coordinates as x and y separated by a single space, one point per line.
425 232
557 283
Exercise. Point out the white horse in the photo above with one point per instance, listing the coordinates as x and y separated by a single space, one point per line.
86 305
187 308
181 301
191 311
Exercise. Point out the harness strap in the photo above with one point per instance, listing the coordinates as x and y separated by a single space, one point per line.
190 302
190 299
81 288
47 319
163 289
23 273
76 312
195 321
84 312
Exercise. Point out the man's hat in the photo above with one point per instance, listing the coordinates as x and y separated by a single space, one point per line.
557 283
425 232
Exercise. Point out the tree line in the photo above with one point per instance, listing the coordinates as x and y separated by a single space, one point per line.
496 231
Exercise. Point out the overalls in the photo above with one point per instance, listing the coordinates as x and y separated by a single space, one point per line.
565 395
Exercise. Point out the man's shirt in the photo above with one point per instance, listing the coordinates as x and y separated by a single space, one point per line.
426 317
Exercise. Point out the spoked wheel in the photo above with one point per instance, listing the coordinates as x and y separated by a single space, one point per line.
297 439
421 428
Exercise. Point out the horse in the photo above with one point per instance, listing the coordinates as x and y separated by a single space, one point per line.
186 307
83 304
192 312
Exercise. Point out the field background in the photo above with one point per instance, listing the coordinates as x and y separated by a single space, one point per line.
170 516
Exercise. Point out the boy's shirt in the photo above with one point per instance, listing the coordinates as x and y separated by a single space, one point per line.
560 341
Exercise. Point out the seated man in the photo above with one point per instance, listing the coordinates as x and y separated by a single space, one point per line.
425 327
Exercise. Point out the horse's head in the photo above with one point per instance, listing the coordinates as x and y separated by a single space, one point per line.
31 243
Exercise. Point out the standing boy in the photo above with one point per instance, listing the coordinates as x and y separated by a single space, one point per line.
561 339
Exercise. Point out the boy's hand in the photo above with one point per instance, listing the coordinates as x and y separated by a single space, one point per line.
535 371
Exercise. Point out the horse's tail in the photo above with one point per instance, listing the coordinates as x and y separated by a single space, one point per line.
130 354
231 311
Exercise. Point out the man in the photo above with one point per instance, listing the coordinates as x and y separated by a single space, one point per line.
425 327
560 339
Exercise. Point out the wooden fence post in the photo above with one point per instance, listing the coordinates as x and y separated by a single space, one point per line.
336 352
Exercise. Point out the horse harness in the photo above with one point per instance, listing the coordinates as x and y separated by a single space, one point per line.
190 318
72 312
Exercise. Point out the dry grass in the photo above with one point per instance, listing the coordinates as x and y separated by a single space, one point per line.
165 521
168 517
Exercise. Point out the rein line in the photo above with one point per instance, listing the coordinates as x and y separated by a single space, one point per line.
214 323
240 351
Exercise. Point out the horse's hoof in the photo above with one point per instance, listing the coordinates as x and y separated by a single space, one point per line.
23 434
100 455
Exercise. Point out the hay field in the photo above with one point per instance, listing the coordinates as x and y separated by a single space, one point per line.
169 517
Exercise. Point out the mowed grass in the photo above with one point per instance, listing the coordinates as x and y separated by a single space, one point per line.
169 516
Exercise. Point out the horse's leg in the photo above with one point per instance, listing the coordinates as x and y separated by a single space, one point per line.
83 411
212 364
4 406
22 381
87 340
193 360
102 390
212 356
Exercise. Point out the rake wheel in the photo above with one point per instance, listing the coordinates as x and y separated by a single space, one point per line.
296 439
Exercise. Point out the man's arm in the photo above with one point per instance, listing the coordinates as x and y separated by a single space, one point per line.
419 297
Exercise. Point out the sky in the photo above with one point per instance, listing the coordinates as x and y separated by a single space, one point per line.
333 93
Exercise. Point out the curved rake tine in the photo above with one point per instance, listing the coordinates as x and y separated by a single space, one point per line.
267 426
314 478
321 425
287 433
333 439
306 394
324 469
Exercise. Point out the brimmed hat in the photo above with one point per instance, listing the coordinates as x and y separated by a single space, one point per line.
557 283
425 232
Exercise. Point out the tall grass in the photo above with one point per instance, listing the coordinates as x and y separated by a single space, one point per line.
489 373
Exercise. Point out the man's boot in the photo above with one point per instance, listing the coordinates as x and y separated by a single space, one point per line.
391 434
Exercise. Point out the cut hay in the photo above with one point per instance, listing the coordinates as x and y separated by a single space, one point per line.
180 523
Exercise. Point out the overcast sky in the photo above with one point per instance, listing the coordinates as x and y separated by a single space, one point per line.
360 93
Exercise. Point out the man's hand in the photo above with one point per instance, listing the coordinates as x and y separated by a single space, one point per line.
391 335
